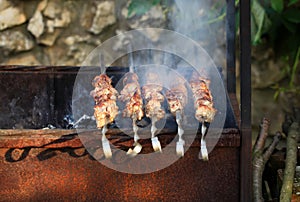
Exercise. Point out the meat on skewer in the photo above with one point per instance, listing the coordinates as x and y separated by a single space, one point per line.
203 103
153 96
177 99
105 109
131 95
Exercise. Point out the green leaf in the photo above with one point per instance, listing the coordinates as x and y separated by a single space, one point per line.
292 2
292 27
276 95
260 22
292 15
140 7
267 24
277 5
294 68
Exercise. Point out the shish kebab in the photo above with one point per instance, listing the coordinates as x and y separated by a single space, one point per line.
153 96
177 99
105 109
131 95
203 103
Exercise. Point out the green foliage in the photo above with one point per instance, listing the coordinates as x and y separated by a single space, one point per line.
275 22
292 15
278 23
277 5
140 7
260 22
292 2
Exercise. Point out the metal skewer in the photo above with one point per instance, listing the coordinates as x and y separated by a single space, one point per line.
155 142
180 143
203 149
137 146
102 65
105 143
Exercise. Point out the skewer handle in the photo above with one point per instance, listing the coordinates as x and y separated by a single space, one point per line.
156 144
180 148
180 143
203 149
136 150
135 129
137 146
106 149
105 144
153 127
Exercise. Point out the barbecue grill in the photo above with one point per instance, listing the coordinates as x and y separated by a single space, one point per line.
42 157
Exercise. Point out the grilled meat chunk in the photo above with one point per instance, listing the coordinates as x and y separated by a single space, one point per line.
153 96
203 100
105 109
131 94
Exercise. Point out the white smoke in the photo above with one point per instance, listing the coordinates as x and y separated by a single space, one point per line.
194 20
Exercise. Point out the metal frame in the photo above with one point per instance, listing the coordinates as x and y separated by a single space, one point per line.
245 88
230 47
245 85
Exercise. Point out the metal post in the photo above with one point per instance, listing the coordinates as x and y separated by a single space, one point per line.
230 46
245 77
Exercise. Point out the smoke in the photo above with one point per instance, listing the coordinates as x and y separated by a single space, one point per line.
184 17
195 19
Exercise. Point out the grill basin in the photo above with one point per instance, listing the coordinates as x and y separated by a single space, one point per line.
52 164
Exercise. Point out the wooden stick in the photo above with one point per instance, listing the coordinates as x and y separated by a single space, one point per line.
290 165
259 158
263 134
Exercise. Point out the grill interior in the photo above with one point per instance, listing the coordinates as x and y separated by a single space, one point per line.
39 97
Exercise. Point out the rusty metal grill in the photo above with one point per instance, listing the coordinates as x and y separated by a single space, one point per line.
49 164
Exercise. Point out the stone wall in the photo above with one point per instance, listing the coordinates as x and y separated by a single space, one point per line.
59 32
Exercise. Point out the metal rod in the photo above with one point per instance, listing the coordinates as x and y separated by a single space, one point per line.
130 59
102 64
230 46
105 143
137 146
245 96
155 142
180 143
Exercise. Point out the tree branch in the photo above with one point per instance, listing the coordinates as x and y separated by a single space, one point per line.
262 136
259 158
290 165
272 146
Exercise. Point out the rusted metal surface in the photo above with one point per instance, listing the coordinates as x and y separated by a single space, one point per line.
39 138
52 165
67 177
69 138
62 170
